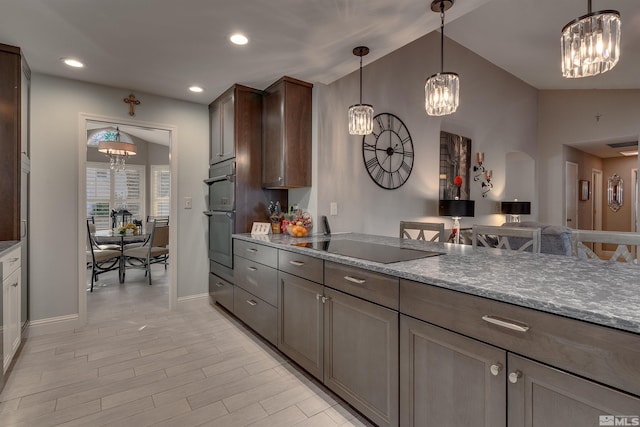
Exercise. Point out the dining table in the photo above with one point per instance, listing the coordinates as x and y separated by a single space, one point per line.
114 237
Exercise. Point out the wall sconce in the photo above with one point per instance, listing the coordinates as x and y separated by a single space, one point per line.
482 174
456 209
515 209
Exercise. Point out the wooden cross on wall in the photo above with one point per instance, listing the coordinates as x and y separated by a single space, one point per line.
132 101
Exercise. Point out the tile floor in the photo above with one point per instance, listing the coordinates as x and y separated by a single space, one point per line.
138 364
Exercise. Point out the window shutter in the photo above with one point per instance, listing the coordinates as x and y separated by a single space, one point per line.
99 195
160 190
108 191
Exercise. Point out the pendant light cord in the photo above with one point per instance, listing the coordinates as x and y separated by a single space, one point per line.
442 36
360 79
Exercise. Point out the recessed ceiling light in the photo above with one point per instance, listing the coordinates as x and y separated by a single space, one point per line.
629 153
239 39
72 62
197 89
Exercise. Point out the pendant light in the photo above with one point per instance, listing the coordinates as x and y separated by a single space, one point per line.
442 90
117 147
360 115
591 43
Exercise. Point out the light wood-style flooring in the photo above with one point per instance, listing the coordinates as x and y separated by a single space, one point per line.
138 364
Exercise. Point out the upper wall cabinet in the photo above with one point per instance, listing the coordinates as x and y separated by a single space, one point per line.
286 143
13 70
221 120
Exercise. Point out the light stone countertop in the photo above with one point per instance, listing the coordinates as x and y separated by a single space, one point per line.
7 245
604 293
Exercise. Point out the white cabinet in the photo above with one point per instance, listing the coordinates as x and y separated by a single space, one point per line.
11 293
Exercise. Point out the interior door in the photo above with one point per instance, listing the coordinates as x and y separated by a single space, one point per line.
571 195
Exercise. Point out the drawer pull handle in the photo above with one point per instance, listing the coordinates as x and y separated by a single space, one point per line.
355 280
251 302
495 369
13 260
253 250
15 284
514 377
220 284
297 263
505 323
252 269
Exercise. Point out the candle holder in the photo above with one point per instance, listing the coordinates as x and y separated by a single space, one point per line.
487 185
482 174
479 168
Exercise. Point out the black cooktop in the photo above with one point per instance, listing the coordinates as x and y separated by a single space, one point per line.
376 252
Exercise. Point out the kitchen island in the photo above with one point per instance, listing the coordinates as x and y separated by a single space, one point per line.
559 336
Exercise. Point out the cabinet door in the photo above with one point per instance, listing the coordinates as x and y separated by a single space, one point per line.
228 130
300 323
540 396
273 154
447 379
361 355
11 316
215 133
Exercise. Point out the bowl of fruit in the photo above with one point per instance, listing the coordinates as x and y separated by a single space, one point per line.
298 225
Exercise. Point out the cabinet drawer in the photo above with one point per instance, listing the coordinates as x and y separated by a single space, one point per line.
368 285
260 316
304 266
597 352
221 291
260 280
10 262
255 252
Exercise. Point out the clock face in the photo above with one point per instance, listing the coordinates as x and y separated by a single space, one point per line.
388 151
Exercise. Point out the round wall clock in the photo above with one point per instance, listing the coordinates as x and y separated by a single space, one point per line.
388 151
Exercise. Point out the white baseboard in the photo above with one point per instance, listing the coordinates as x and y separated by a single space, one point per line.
54 324
193 301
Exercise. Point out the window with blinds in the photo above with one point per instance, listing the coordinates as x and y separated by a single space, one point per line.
160 190
108 191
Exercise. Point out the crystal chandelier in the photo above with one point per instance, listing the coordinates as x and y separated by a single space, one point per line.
116 149
442 90
360 115
591 43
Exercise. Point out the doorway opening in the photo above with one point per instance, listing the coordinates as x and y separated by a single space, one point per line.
145 188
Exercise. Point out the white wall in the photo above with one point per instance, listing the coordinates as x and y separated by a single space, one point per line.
55 107
497 111
569 117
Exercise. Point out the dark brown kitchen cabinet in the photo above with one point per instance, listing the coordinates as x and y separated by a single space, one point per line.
447 379
221 119
287 134
361 355
11 115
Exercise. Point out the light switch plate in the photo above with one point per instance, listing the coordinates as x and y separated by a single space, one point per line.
188 203
333 208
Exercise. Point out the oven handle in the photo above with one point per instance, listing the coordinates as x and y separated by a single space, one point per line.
229 177
211 213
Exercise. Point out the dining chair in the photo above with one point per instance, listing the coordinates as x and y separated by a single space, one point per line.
101 260
153 251
92 229
436 227
159 219
626 245
521 239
